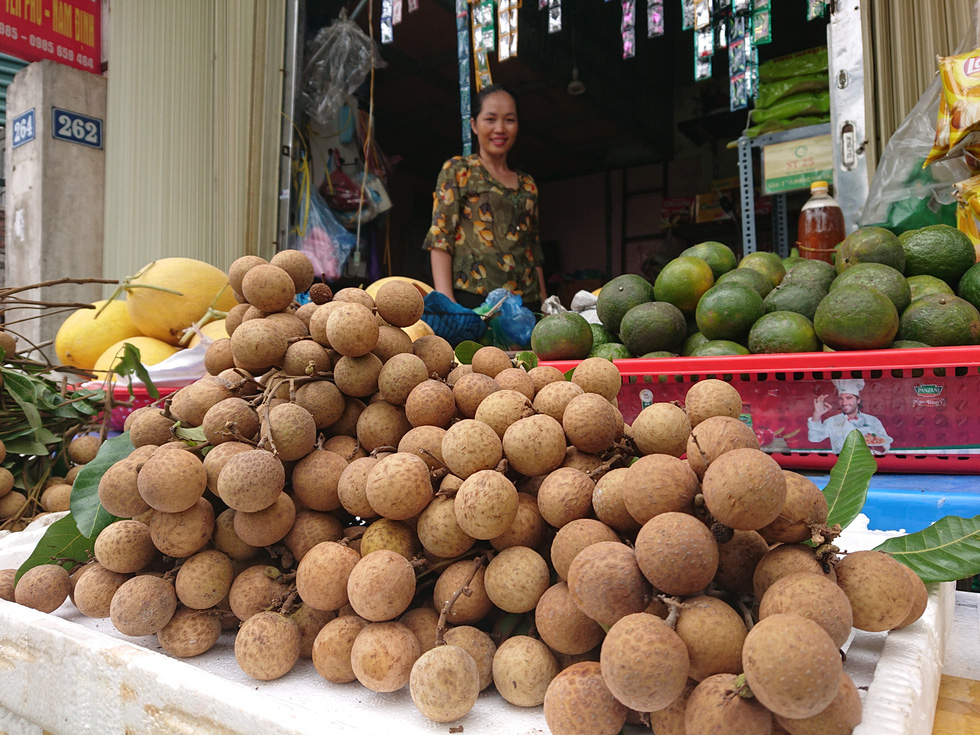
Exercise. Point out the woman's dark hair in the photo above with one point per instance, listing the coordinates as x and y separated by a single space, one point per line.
486 92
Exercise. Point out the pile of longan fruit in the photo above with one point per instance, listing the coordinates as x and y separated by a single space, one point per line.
364 501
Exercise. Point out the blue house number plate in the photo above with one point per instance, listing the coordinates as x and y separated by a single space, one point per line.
23 128
76 128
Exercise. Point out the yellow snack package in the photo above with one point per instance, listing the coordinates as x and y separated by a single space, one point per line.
961 88
968 209
941 145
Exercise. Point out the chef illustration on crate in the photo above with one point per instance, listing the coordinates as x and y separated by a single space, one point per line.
851 418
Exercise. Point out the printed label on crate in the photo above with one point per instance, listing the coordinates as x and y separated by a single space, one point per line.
896 415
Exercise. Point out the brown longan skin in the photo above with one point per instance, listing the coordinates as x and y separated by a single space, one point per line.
398 486
813 596
382 656
439 532
523 667
535 446
83 448
44 587
744 489
204 579
172 480
94 589
713 633
149 426
486 504
591 423
878 589
310 528
516 379
267 646
125 546
190 404
228 420
381 424
842 715
267 526
423 622
352 485
436 353
399 303
470 446
256 588
257 345
470 390
606 582
659 483
292 431
315 478
516 578
920 598
578 702
118 490
562 625
392 341
332 648
185 533
528 528
143 605
56 498
268 287
737 560
553 397
323 400
501 409
575 536
677 553
431 403
322 575
644 662
565 495
399 376
351 328
786 559
467 609
226 540
251 480
609 501
7 584
6 481
714 708
444 683
239 267
713 437
425 442
479 645
190 632
299 267
306 357
661 428
215 460
805 507
381 585
598 375
712 397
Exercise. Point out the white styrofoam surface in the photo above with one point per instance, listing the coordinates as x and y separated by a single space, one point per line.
105 682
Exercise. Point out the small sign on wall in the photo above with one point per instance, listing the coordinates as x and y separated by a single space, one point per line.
23 128
795 164
75 127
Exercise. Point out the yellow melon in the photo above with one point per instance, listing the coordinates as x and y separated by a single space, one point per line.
152 351
215 330
419 329
83 336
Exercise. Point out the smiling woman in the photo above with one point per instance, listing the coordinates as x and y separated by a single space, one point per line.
484 232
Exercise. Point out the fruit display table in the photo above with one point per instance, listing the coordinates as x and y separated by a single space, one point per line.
67 674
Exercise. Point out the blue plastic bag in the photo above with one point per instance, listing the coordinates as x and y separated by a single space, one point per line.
512 322
449 320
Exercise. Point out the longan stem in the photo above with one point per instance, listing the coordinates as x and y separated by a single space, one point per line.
447 606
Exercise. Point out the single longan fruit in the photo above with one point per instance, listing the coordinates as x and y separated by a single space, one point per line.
204 579
715 706
713 437
591 423
466 609
516 578
787 559
93 590
256 588
712 397
528 528
315 479
323 400
470 446
565 495
392 341
842 715
578 702
56 498
744 489
598 375
381 585
436 353
399 376
185 533
399 303
425 442
792 665
501 409
490 360
440 533
662 428
523 667
7 584
431 403
44 587
575 536
552 398
191 403
737 560
485 504
713 633
352 487
351 329
227 541
310 528
229 420
516 379
677 553
267 646
251 480
609 501
383 655
268 287
606 582
125 546
267 526
172 481
398 486
423 622
83 448
644 662
241 266
805 508
535 446
659 483
562 625
444 683
143 605
323 574
292 430
813 596
878 589
381 424
299 267
190 632
920 598
332 648
470 390
258 345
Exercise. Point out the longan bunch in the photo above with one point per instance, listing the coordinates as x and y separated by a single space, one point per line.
363 501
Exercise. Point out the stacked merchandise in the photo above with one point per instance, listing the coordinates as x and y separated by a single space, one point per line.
794 91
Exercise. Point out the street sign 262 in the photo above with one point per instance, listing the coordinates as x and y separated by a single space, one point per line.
23 128
75 127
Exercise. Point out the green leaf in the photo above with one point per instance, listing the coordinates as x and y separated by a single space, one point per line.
26 448
21 390
134 359
569 374
465 351
61 540
946 551
192 434
86 509
849 480
526 360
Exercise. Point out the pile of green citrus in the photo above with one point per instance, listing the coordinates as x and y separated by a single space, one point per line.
918 289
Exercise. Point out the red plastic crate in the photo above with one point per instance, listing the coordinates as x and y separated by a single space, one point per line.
926 400
140 398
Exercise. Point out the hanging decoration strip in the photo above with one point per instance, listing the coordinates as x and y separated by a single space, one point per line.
762 22
463 57
629 29
396 12
481 37
655 18
506 29
702 14
737 65
687 15
554 16
815 9
387 12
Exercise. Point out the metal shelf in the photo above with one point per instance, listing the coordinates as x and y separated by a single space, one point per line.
746 188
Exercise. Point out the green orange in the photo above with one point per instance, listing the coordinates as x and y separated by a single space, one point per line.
938 250
565 336
783 331
619 296
768 264
883 277
653 327
856 318
755 280
870 245
683 281
728 312
718 255
719 347
939 320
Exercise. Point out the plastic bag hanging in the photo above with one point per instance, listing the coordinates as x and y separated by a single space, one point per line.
340 57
